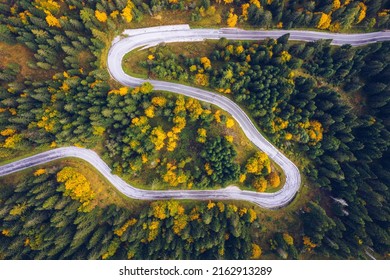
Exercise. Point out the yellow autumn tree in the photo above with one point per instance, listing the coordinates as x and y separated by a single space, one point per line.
153 230
157 137
174 177
101 16
114 14
242 211
362 12
7 132
335 27
23 16
315 131
239 49
210 205
127 12
159 101
229 138
260 184
285 56
201 79
229 123
274 179
256 251
179 223
252 215
159 210
232 19
119 232
245 8
149 112
202 134
256 3
98 130
336 5
121 91
180 123
308 243
288 239
221 207
242 178
11 141
217 116
174 208
208 169
40 172
180 105
51 20
172 141
258 164
144 158
77 187
324 22
18 209
205 62
48 5
194 108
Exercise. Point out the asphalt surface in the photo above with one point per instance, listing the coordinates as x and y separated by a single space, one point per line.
147 37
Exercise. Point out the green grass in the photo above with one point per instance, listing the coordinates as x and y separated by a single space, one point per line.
17 155
131 66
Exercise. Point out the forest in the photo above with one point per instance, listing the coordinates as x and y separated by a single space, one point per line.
327 107
44 217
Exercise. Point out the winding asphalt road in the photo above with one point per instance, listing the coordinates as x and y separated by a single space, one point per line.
147 37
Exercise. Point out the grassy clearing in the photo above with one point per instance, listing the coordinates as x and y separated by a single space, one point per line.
131 63
165 17
22 56
86 58
191 50
20 154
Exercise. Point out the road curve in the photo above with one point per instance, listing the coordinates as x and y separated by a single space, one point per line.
147 37
230 193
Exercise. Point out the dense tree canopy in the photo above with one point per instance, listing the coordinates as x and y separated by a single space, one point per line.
326 106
